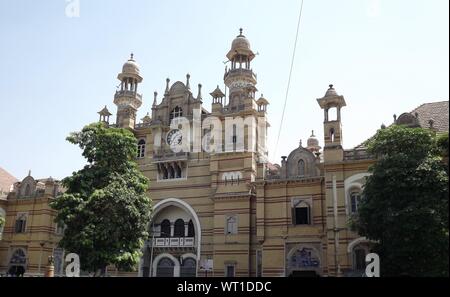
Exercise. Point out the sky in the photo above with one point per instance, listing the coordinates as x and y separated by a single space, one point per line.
60 61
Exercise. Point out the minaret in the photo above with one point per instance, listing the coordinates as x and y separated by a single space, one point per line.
333 150
127 99
239 78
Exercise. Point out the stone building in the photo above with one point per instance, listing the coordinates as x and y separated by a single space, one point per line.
220 208
30 234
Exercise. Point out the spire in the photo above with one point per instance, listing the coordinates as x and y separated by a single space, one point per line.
29 172
155 94
199 96
188 86
167 85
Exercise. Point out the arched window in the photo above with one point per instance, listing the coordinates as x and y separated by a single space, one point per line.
28 190
355 198
179 228
301 167
231 227
18 257
141 149
332 134
21 223
165 268
176 112
301 214
188 268
191 230
165 228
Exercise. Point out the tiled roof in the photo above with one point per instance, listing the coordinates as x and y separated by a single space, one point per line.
437 111
6 180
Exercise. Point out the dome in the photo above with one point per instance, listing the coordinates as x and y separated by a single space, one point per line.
240 45
130 66
313 142
240 42
331 92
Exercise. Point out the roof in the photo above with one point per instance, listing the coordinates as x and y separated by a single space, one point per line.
6 180
436 111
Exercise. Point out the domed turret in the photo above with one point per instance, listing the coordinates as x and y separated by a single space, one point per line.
240 46
313 143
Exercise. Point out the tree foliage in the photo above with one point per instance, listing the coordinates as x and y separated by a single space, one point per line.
2 222
105 207
405 203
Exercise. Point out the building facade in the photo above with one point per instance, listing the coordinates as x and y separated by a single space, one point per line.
220 208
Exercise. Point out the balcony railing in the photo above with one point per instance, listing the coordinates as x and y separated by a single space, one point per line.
173 242
122 93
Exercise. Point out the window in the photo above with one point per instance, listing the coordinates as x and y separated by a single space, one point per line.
332 135
176 112
231 225
60 229
179 228
301 168
165 268
21 223
355 198
165 228
301 214
188 268
141 149
191 230
229 270
28 190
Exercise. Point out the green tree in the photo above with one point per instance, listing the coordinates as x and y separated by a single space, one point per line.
2 222
105 207
405 203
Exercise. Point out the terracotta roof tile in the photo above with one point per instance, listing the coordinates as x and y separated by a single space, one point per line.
438 111
6 180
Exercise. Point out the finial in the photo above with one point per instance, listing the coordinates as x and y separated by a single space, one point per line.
188 76
431 123
383 126
395 118
199 96
155 94
29 172
167 85
312 133
240 31
331 86
131 56
300 142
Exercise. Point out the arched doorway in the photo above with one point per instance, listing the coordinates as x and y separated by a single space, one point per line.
188 268
303 261
17 263
165 268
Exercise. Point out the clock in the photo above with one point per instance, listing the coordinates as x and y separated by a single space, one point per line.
174 137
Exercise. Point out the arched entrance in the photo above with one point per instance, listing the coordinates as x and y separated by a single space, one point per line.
17 263
188 268
175 233
165 268
303 261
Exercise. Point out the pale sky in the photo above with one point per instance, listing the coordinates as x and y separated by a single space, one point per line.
384 56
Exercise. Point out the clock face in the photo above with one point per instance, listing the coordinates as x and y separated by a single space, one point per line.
174 137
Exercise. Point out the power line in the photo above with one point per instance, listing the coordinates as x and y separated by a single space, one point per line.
289 79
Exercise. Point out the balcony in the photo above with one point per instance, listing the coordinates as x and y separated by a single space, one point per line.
126 93
173 242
